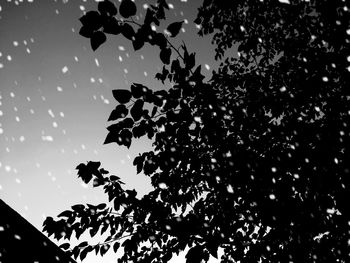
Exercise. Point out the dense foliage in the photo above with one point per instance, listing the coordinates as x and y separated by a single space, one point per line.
255 161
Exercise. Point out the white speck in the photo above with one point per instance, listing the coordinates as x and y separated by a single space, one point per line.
97 63
51 113
62 114
28 50
154 28
31 111
92 80
82 8
242 28
83 147
1 113
1 65
106 101
8 168
54 124
274 169
283 89
325 79
197 119
18 181
9 58
336 160
207 66
185 21
126 71
145 73
145 6
12 95
171 6
120 58
162 186
64 69
230 189
142 57
284 1
330 211
348 58
22 138
59 89
121 48
15 43
47 138
348 31
272 196
1 130
76 59
17 119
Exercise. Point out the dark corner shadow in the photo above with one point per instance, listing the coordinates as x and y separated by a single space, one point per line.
22 242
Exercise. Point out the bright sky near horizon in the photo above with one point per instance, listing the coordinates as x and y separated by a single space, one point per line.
55 99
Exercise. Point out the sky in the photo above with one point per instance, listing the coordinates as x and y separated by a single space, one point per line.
56 96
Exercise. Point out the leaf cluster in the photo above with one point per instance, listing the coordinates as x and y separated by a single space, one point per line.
252 161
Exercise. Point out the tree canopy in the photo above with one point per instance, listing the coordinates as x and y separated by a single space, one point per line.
254 161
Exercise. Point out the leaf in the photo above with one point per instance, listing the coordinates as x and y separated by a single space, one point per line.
165 55
66 213
126 137
136 110
101 206
122 95
174 28
138 43
83 244
114 178
112 26
116 245
137 90
194 255
64 246
106 7
127 8
104 249
160 40
86 31
154 111
84 252
127 31
78 208
150 17
97 39
119 112
92 20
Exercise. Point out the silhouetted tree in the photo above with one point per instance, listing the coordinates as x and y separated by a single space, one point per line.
255 160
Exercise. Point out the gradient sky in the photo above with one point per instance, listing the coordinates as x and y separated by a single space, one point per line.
55 99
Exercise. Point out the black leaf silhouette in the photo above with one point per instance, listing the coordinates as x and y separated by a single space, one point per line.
119 112
97 39
174 28
107 8
123 96
127 8
165 55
